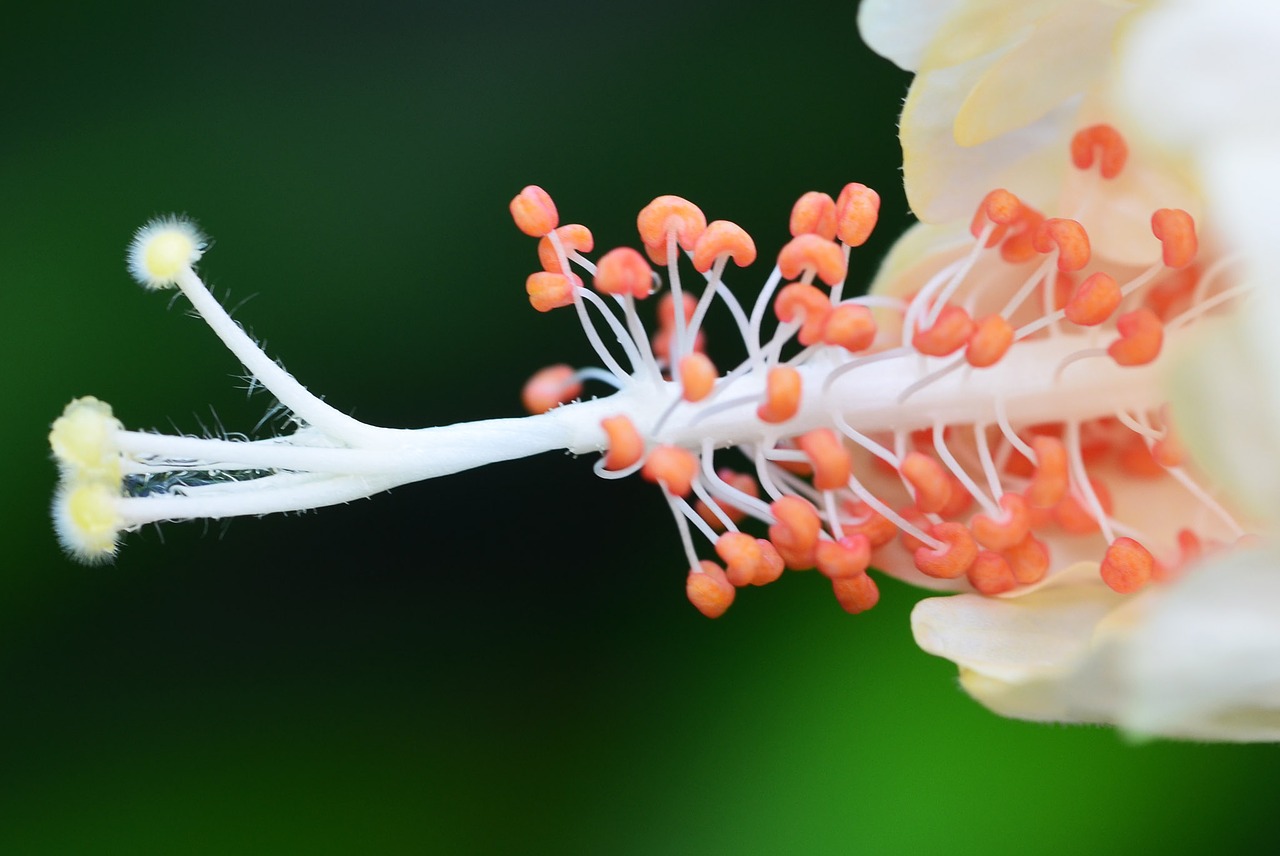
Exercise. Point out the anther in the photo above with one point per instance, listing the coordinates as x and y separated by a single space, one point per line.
929 479
709 590
1072 514
814 214
832 464
1176 231
865 520
549 291
850 326
999 207
953 558
857 210
674 466
848 557
667 309
1127 566
990 574
812 253
671 214
573 237
1049 481
1018 246
1141 337
550 387
1029 560
795 534
782 395
534 212
1006 531
742 482
697 376
813 305
625 443
624 271
1102 143
723 238
1093 300
949 333
748 560
991 339
1068 237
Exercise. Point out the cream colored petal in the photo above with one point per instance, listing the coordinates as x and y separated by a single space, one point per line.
978 27
901 30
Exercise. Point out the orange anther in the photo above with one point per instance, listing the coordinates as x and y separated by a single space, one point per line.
1141 337
1176 231
879 529
657 255
1029 560
1102 143
772 566
782 395
845 558
742 482
624 271
1068 237
999 207
574 237
1049 481
1136 459
709 590
812 253
1127 566
626 445
850 326
550 387
814 214
916 518
949 333
548 291
856 594
743 557
857 210
1009 529
723 238
675 466
832 464
667 309
534 212
1172 293
991 339
795 534
812 304
697 376
1018 246
1073 513
671 214
1094 300
959 503
991 574
953 558
929 479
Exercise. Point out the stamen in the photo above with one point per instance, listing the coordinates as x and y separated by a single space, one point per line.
813 306
697 377
625 443
573 238
1176 231
1068 237
709 590
623 271
814 214
1141 336
782 395
748 560
948 334
845 558
991 574
928 481
549 291
989 341
849 326
808 255
1007 530
667 214
674 467
722 239
953 558
795 532
856 594
1102 143
857 209
832 464
1127 566
550 387
1093 301
534 212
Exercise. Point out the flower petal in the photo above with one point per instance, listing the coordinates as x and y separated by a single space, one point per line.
901 30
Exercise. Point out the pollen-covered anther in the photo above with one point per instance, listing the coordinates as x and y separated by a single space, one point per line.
1007 530
549 291
83 441
1141 337
1127 566
87 522
812 254
949 333
782 395
1102 144
534 212
1093 301
813 306
749 560
991 574
856 594
864 519
723 238
1049 481
1176 231
697 376
992 336
623 270
550 387
1068 237
832 464
850 326
674 466
847 557
953 558
573 237
709 590
1019 241
625 443
162 249
929 479
795 532
671 214
857 210
1028 559
999 208
814 214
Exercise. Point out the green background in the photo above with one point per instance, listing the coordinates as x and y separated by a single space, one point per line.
496 662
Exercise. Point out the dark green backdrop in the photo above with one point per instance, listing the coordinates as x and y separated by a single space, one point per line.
499 662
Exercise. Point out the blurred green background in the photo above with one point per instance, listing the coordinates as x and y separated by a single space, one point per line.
502 661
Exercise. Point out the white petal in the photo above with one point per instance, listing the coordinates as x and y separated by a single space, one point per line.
900 30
